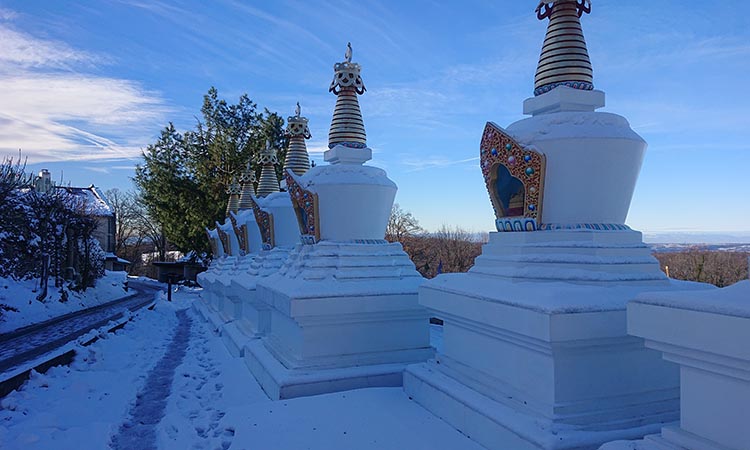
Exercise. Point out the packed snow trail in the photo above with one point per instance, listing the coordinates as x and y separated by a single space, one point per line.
139 430
208 383
19 347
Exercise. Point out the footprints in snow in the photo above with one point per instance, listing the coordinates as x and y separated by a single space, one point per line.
200 393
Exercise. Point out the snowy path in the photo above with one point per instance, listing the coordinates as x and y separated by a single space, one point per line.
208 383
82 406
166 381
17 348
139 430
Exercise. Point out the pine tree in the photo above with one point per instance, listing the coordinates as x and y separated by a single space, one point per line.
184 176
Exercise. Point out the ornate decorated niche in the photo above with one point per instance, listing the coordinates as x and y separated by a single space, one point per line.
514 176
224 238
264 219
305 208
241 232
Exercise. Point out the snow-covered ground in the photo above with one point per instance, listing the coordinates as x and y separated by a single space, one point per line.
165 381
22 296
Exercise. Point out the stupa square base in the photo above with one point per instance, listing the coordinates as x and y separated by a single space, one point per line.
348 332
535 343
494 424
201 307
206 309
707 338
236 335
541 379
281 382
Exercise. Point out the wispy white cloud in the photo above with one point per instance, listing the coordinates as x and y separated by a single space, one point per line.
54 111
415 165
21 50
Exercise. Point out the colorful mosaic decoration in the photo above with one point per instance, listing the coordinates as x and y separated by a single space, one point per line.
514 176
306 208
265 224
224 238
241 233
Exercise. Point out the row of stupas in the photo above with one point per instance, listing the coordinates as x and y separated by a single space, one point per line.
322 269
543 339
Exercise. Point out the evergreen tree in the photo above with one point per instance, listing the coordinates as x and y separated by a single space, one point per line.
184 176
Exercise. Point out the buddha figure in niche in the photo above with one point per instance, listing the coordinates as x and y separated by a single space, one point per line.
510 193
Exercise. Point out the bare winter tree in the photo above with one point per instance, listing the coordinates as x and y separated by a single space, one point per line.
126 217
401 224
136 232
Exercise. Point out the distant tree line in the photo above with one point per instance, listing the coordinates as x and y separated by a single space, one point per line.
45 235
720 268
183 180
454 250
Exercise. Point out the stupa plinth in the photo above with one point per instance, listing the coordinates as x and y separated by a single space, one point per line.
344 310
706 335
536 353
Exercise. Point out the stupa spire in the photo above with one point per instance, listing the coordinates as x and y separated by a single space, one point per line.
247 180
297 160
268 183
564 59
347 127
234 196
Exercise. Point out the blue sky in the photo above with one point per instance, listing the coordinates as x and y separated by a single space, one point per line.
84 86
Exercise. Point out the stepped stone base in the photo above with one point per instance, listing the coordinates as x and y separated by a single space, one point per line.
344 315
536 353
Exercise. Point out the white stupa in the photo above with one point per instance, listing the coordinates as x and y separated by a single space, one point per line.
536 353
279 233
344 310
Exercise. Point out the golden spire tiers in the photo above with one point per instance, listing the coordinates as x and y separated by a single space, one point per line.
234 196
268 183
297 160
247 180
347 127
564 60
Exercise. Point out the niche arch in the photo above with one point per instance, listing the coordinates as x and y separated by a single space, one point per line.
514 177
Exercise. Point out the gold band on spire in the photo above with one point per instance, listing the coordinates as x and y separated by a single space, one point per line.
234 196
268 183
564 59
347 126
297 160
247 180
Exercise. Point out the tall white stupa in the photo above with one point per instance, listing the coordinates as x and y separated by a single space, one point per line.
535 352
344 310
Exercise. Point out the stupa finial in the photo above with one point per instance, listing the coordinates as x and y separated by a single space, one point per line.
247 180
564 60
297 160
347 127
268 183
234 196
